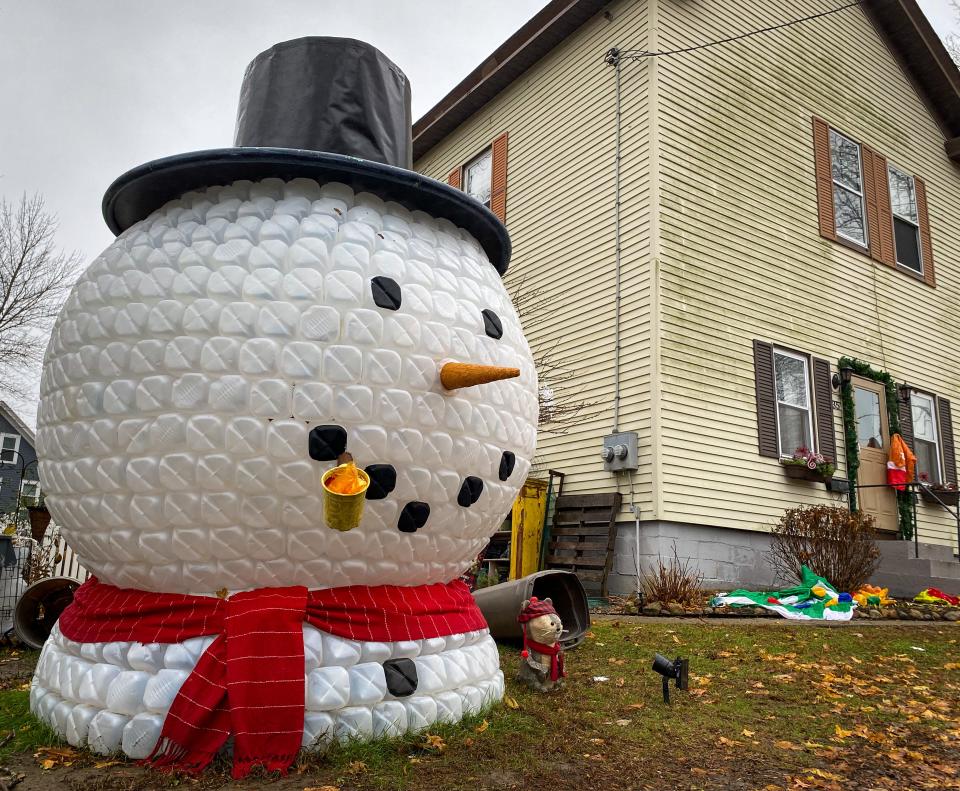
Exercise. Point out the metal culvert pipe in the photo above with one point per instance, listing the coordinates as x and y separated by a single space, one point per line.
39 608
500 604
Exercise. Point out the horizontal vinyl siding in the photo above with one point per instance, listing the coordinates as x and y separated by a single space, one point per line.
742 257
560 201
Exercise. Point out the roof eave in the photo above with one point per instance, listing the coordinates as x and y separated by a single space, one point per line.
922 56
550 26
902 24
14 419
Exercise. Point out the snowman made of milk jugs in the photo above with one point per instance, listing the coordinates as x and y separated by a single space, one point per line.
273 322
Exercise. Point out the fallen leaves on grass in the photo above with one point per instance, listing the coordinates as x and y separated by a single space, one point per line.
434 742
49 757
510 703
482 727
322 788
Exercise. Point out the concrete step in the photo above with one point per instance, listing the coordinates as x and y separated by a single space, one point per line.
907 550
906 586
907 575
948 569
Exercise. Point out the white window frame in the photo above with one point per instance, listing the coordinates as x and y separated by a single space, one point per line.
26 482
865 244
893 212
938 476
806 374
16 448
487 152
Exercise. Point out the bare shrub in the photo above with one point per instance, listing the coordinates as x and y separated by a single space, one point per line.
45 556
832 542
675 580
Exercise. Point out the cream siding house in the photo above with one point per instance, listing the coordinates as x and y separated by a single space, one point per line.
747 270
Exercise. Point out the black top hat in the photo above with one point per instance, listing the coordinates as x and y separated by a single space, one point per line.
333 109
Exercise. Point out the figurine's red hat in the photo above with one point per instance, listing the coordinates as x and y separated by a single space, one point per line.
535 609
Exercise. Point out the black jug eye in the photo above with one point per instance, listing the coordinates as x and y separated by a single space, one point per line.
507 462
413 516
383 480
386 293
470 491
327 443
492 324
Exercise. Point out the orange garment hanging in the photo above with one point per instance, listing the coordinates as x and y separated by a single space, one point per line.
902 464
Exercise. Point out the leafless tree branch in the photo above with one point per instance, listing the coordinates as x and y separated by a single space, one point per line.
952 40
35 278
559 396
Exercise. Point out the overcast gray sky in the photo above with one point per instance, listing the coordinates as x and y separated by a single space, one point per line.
90 89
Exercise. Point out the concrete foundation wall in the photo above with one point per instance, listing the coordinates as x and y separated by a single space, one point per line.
729 558
726 557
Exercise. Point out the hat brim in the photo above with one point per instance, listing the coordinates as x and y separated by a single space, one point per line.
146 188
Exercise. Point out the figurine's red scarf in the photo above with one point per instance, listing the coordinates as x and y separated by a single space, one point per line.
249 682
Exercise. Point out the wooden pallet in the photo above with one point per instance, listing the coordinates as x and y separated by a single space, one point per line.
583 537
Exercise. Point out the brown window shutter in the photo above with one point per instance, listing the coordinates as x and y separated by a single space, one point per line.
766 399
454 178
823 394
883 251
870 188
946 438
926 244
498 187
906 421
821 158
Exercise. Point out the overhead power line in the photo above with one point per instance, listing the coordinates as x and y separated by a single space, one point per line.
613 55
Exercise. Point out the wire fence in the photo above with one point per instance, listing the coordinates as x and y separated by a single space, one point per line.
15 560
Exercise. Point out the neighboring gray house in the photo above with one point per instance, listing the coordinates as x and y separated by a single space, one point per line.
18 462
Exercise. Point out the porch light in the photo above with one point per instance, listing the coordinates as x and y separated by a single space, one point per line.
843 378
904 393
676 669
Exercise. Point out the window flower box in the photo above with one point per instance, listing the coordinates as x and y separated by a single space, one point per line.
801 472
805 465
940 494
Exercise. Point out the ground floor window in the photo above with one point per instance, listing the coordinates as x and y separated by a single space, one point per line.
926 444
794 414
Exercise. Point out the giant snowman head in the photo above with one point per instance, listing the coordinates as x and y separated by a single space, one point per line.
212 362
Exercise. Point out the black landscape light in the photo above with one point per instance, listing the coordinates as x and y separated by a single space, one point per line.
676 669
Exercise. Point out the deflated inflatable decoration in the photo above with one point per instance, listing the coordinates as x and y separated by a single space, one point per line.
280 414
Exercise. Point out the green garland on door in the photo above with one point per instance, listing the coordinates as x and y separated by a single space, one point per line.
860 368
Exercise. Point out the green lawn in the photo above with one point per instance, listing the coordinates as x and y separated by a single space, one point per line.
771 706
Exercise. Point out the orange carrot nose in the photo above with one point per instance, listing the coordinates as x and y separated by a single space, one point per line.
455 375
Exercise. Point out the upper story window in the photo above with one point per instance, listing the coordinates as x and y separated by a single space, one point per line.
9 447
794 414
906 221
870 205
477 177
925 437
484 177
849 208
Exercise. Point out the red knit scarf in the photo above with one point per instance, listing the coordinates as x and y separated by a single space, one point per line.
249 683
555 652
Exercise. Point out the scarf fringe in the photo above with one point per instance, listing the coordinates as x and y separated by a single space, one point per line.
272 763
169 756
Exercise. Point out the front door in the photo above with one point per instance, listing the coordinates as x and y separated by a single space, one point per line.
873 437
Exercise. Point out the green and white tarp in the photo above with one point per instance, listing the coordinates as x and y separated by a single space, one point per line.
814 599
